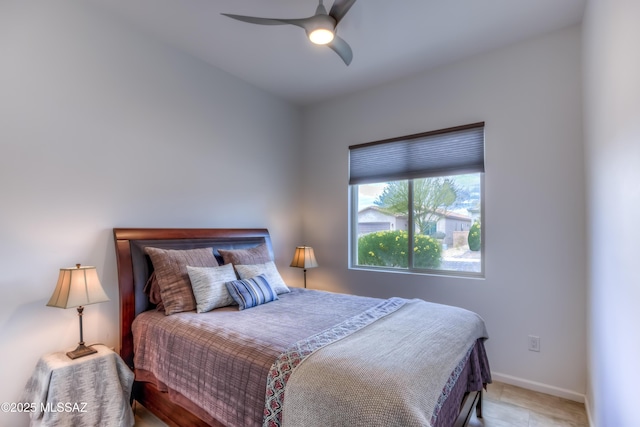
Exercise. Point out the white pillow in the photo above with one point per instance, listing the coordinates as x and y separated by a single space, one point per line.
209 289
270 271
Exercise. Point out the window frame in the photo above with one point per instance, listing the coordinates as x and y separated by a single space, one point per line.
353 221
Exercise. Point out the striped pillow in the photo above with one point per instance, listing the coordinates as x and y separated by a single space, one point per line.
251 292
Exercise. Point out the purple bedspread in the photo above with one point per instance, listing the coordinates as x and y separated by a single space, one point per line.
218 362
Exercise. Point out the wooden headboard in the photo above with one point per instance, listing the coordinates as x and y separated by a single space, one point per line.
134 266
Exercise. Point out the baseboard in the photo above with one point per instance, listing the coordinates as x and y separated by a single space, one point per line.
539 387
587 407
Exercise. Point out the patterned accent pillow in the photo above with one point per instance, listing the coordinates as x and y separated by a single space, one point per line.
270 271
251 292
170 266
256 255
209 289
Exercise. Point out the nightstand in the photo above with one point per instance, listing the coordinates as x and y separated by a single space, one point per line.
93 390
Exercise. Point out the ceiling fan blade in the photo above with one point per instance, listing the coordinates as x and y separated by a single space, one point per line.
268 21
339 46
340 8
255 20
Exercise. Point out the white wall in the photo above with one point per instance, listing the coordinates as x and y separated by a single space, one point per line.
612 131
102 127
529 95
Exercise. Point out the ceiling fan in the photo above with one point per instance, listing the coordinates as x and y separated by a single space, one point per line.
320 28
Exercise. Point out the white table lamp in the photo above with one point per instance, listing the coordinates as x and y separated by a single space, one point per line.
304 258
78 286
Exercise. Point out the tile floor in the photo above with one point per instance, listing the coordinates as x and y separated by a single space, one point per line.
504 406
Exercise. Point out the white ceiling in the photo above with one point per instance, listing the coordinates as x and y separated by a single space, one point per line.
390 39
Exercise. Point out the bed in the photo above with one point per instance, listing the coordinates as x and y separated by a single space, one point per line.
231 367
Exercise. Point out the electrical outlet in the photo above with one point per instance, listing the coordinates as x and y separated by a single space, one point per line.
534 343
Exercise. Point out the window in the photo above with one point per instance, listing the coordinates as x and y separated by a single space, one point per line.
416 202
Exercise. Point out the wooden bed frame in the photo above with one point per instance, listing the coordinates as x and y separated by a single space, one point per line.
134 268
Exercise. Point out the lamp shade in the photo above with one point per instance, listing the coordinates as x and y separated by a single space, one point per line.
77 286
304 258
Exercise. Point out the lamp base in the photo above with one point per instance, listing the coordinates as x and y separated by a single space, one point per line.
81 351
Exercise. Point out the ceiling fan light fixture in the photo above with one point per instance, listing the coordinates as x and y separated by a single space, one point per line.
321 36
320 28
